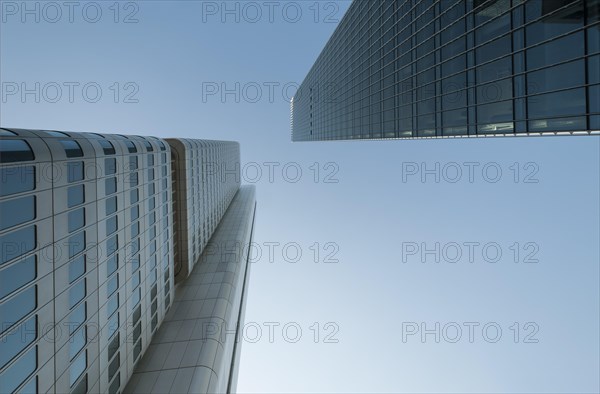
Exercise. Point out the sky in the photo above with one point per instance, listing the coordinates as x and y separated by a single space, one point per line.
466 265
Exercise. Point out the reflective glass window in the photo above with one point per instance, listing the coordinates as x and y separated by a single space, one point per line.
17 307
15 150
76 268
72 148
16 180
16 211
74 171
76 219
17 243
17 373
17 275
75 195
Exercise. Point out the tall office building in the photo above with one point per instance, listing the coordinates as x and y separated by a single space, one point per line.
91 239
455 68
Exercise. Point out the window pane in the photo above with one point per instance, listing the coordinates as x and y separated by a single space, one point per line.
559 50
130 147
112 305
494 49
111 205
134 196
17 307
495 91
111 225
74 171
15 150
76 219
17 275
110 166
495 113
17 211
148 146
112 244
77 293
18 372
17 340
16 180
110 186
76 318
112 264
76 268
560 124
558 77
135 212
553 25
107 147
113 324
113 285
75 195
150 160
72 148
17 243
76 244
565 103
77 342
77 367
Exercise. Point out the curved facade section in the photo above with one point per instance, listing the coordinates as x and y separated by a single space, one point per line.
455 68
196 350
86 268
207 175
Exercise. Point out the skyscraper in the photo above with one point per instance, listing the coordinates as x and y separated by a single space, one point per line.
91 244
455 68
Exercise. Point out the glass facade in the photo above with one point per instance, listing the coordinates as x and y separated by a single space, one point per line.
426 68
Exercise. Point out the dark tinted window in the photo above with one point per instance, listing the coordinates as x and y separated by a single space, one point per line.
135 229
110 166
76 219
111 225
19 371
17 211
135 212
113 325
15 150
111 205
130 147
76 244
134 196
75 171
108 148
162 145
17 307
75 195
133 163
17 243
556 51
76 268
77 367
148 146
76 293
150 160
16 180
17 275
555 24
110 185
558 77
17 340
72 148
565 103
112 244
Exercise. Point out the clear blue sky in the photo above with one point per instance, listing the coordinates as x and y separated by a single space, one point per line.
172 60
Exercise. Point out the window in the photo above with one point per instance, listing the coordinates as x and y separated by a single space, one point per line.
151 174
132 178
162 145
77 342
113 325
17 340
135 229
495 91
74 171
556 51
17 211
136 297
150 160
558 77
111 225
76 318
133 163
135 281
75 195
148 146
76 268
17 275
17 243
113 346
112 305
72 148
77 367
110 185
114 366
495 113
134 196
111 205
494 49
553 25
76 244
135 212
112 264
112 244
18 307
130 147
17 373
77 293
16 180
110 166
498 69
114 386
112 285
107 147
151 189
15 150
565 103
76 219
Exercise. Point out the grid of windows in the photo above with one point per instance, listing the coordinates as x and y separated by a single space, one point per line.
425 68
